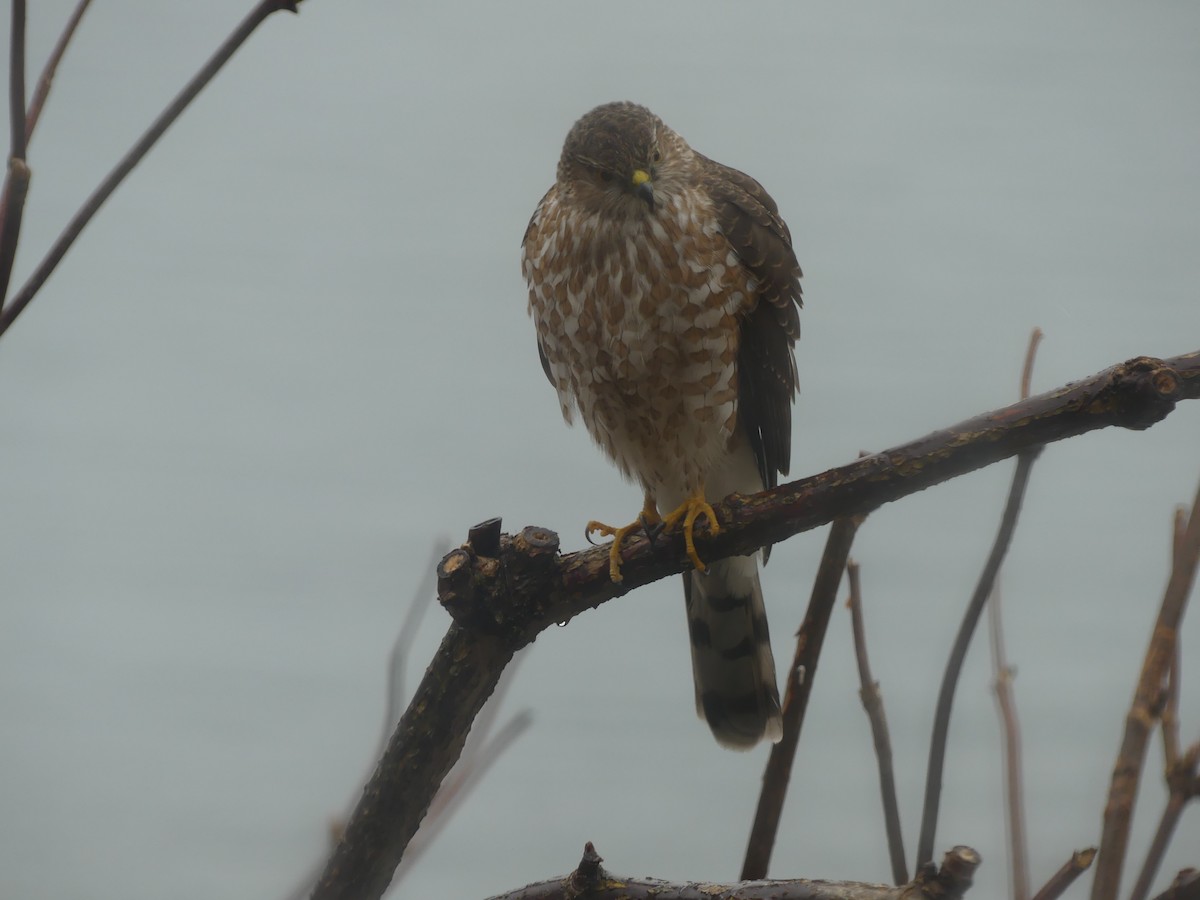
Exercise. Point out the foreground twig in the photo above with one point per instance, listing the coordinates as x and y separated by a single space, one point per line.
1180 768
38 101
16 182
800 677
1183 784
1013 780
1080 862
16 179
941 722
1006 704
92 205
1186 886
958 653
1123 791
590 880
503 598
872 702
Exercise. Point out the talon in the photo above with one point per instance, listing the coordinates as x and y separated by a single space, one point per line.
614 551
693 508
646 520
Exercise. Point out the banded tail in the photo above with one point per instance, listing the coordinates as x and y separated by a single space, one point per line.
734 669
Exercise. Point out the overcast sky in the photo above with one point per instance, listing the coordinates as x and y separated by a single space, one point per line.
293 351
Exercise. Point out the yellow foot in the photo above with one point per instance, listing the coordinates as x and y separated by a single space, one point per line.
693 508
648 517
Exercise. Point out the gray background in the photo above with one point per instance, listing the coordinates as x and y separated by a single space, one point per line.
293 349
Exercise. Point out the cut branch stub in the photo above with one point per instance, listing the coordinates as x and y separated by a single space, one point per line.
506 573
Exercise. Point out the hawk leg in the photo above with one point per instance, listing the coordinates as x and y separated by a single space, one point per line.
693 508
646 520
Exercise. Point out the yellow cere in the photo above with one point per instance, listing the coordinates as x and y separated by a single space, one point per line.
640 176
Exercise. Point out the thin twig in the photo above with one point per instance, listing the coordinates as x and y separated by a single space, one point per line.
1185 886
1080 862
1013 778
800 678
422 599
92 205
16 81
42 89
1182 785
16 178
872 702
941 724
1035 338
1118 811
1006 704
983 589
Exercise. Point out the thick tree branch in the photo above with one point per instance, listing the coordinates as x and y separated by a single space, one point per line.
502 596
590 880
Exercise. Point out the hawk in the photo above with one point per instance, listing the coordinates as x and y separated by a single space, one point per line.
665 295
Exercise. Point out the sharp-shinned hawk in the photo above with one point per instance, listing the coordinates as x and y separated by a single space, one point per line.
666 295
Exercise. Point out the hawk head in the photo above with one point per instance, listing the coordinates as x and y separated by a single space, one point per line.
620 160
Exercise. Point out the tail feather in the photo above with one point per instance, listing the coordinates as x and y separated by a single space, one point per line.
734 669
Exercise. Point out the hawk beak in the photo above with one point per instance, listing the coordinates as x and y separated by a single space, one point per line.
643 187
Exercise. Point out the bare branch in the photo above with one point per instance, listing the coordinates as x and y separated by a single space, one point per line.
1013 779
800 677
421 601
1035 338
941 723
16 82
872 702
1186 886
1182 785
502 600
1080 862
42 90
1122 795
456 789
92 205
1006 704
590 880
16 179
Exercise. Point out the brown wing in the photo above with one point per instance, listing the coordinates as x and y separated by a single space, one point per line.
750 221
529 229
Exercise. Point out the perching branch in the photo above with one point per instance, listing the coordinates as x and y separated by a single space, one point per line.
590 880
1118 812
503 595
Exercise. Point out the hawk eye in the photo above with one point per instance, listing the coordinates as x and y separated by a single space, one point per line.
604 175
656 155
